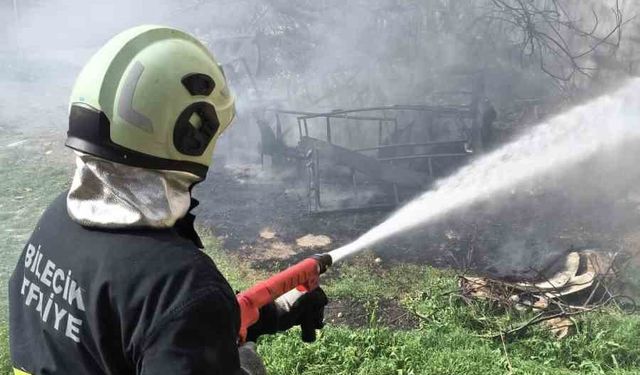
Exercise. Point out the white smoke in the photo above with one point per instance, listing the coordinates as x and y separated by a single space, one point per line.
562 141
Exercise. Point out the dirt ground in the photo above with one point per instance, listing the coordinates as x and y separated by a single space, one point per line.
264 216
385 312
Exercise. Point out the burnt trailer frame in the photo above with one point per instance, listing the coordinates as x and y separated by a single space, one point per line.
379 167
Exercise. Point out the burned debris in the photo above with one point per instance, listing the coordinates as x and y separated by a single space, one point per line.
380 155
575 283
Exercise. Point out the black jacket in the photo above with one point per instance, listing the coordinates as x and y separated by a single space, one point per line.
87 301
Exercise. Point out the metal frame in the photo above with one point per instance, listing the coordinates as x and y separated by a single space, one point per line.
312 157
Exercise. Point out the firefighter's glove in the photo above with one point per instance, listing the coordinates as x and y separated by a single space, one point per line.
305 309
250 361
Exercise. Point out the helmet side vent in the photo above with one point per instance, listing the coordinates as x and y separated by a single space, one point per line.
195 128
198 84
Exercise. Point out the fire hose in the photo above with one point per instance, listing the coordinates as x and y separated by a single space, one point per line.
304 276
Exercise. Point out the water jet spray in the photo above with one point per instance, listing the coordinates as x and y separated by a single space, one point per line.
558 143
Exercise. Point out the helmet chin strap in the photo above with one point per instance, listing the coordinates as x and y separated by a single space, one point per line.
105 194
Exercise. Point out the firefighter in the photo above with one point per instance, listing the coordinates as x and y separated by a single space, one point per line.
112 279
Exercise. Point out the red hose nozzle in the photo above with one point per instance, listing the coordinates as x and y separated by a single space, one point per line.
305 276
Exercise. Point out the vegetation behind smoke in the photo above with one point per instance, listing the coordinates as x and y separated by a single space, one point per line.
329 54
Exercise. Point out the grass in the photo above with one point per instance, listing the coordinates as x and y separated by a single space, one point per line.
449 339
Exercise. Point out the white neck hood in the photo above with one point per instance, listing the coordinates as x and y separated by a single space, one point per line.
105 194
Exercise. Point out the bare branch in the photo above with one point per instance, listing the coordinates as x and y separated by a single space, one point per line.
551 36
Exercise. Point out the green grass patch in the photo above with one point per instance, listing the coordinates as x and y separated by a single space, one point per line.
366 280
452 338
381 351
